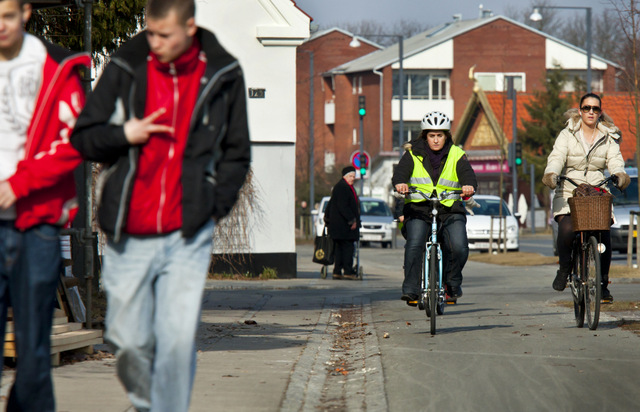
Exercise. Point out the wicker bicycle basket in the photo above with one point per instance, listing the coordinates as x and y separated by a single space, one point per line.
591 212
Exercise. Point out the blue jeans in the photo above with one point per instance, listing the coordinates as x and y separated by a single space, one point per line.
154 288
455 250
30 265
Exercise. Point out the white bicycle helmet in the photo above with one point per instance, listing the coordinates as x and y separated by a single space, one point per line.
436 121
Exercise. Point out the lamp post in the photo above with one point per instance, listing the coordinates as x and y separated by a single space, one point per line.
400 37
311 136
536 16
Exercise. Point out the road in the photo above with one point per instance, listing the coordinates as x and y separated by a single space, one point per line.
506 345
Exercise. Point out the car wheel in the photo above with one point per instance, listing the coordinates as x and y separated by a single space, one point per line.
386 245
364 244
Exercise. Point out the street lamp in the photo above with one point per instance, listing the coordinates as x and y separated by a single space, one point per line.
536 16
356 43
311 136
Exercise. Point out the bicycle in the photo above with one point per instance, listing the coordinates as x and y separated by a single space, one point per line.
586 277
433 295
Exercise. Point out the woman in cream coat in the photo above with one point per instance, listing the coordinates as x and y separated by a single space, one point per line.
589 144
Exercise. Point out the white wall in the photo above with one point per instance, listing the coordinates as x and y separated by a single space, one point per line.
263 35
569 58
437 57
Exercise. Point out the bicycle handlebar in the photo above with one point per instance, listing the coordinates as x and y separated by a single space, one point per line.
612 178
443 195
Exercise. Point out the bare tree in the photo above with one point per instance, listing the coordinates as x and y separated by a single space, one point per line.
606 34
384 35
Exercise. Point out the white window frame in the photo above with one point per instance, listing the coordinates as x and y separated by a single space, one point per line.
501 81
441 76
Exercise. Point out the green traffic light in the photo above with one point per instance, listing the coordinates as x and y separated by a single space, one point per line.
362 112
518 161
363 171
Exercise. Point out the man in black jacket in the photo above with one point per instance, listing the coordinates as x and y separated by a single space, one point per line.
168 118
344 223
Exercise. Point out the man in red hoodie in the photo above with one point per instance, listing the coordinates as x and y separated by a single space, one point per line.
168 118
42 95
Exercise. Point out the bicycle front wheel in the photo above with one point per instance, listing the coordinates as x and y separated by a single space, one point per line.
576 285
433 287
592 281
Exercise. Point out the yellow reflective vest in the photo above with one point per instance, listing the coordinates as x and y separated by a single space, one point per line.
448 180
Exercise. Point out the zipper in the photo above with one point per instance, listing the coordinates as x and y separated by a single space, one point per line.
586 158
171 154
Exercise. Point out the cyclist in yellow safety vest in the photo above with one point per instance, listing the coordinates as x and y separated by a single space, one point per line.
433 162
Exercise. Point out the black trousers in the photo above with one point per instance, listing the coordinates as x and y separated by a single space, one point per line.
343 257
565 243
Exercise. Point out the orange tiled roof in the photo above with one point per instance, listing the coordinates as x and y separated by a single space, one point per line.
617 105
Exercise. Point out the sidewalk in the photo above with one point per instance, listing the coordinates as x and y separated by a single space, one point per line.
262 346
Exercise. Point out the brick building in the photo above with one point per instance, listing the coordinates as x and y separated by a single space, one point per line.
436 66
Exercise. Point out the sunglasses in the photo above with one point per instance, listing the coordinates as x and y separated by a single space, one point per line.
587 109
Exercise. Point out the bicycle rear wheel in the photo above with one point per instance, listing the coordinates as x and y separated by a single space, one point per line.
433 287
592 281
578 299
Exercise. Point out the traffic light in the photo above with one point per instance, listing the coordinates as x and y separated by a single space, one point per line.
363 166
518 157
361 106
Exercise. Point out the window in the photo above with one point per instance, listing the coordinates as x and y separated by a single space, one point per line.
421 85
497 82
411 130
439 87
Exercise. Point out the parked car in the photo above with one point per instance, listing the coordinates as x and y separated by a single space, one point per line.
623 203
479 224
376 217
318 215
377 222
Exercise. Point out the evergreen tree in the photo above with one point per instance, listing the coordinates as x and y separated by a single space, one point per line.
113 22
546 113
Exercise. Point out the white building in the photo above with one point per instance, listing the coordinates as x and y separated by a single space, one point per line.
263 35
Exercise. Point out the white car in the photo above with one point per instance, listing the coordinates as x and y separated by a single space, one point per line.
623 203
479 224
376 217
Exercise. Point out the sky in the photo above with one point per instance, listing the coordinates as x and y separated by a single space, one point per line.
328 13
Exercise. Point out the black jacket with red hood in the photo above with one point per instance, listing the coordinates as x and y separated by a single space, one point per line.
217 154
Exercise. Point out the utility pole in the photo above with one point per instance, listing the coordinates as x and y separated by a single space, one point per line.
511 95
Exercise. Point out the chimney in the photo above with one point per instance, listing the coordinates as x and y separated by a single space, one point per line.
457 17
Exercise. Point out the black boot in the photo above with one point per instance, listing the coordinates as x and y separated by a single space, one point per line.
605 297
560 282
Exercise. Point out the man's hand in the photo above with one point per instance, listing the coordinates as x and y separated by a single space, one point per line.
7 197
353 226
402 188
138 131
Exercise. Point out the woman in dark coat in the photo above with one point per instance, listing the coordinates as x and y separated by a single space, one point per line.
344 223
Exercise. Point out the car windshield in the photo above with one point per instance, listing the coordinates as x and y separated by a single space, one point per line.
490 207
628 197
374 208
